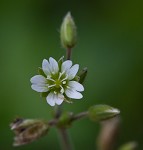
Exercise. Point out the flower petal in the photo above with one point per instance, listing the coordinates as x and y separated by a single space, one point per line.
46 67
39 87
76 86
38 79
54 65
72 71
66 65
73 94
50 99
59 99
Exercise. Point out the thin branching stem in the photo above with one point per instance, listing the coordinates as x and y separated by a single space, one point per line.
79 116
73 118
66 143
65 139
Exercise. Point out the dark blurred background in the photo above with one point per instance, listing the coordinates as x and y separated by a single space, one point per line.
110 44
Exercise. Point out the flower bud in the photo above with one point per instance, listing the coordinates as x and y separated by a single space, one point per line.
129 146
68 32
28 130
102 112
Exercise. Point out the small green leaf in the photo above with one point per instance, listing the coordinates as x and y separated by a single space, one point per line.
40 71
82 75
102 112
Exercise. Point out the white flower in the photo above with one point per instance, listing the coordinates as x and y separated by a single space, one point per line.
57 81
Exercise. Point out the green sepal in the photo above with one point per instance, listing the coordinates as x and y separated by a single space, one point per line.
102 112
67 99
61 60
82 75
77 78
44 94
41 72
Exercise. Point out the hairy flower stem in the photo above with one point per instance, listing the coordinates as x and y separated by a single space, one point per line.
65 140
66 143
57 111
69 51
64 136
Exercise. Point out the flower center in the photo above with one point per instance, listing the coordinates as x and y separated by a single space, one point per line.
57 83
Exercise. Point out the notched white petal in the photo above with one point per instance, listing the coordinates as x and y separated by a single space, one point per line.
73 71
38 79
53 65
59 99
50 99
73 94
39 88
66 65
46 67
76 86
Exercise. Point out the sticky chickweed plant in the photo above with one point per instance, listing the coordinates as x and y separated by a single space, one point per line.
59 82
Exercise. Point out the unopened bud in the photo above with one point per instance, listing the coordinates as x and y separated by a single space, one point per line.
102 112
28 130
68 32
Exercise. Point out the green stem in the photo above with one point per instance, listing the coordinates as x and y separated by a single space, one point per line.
69 51
58 111
65 140
79 116
64 136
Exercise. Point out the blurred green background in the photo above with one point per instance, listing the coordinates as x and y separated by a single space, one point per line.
110 44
